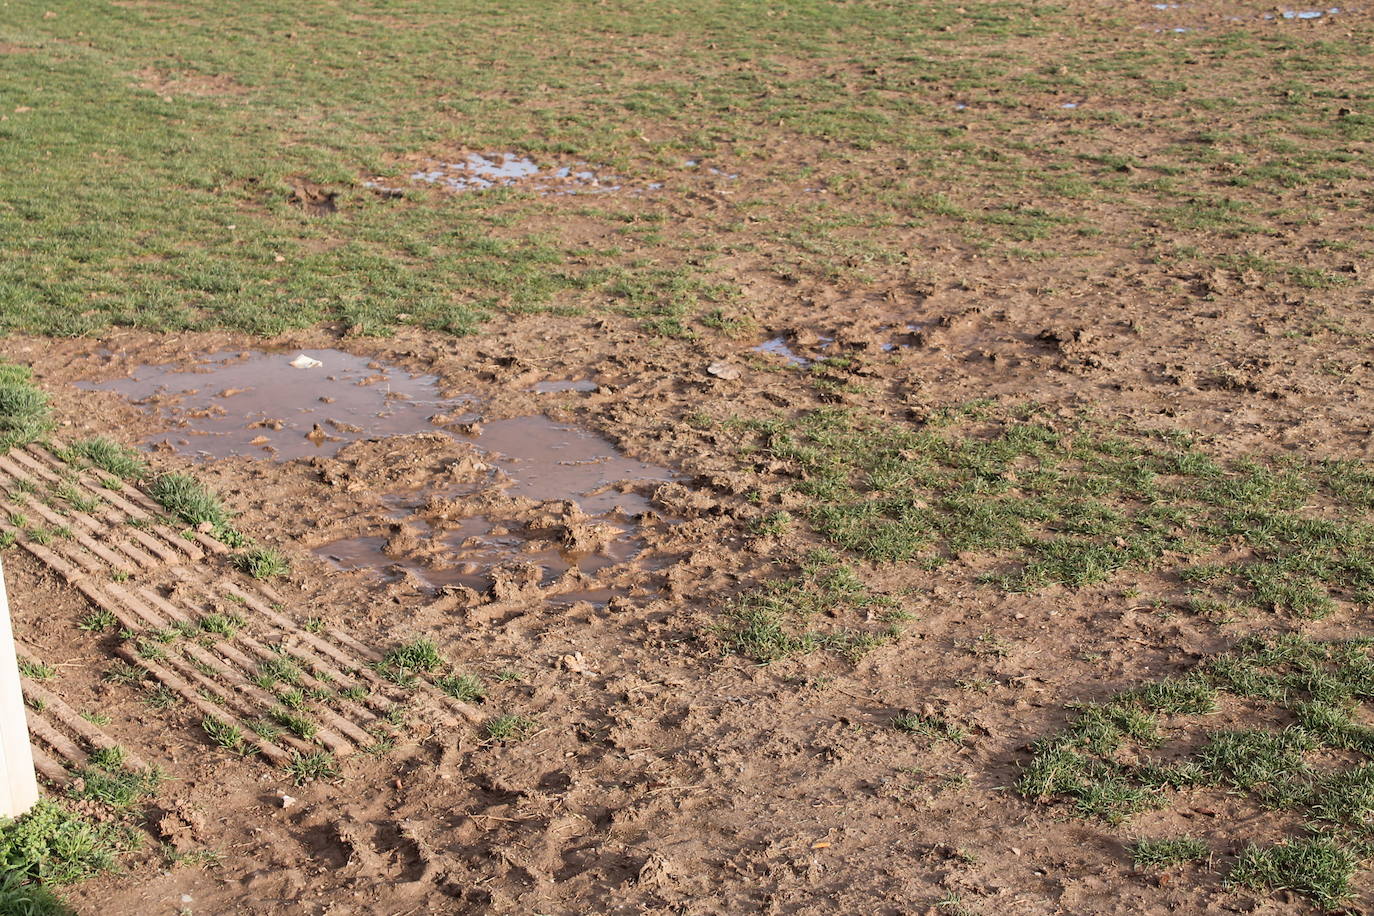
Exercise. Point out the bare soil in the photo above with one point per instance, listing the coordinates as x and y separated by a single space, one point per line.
663 776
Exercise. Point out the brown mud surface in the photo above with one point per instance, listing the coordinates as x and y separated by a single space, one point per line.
661 776
559 504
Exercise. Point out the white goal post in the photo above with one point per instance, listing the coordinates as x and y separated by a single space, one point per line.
20 786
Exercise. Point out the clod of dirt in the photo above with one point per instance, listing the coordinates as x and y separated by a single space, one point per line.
314 200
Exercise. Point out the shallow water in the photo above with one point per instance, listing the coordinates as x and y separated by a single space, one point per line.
553 387
466 555
509 170
259 405
263 407
778 346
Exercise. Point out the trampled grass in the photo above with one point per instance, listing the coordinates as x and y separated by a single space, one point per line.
1104 763
153 155
1073 503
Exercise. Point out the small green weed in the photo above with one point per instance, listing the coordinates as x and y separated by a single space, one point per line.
98 621
185 497
1163 853
36 671
306 767
465 687
227 736
262 563
508 727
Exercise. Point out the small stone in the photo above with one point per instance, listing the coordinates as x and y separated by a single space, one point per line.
286 801
726 371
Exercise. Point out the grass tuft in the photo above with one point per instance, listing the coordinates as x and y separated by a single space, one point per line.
185 497
108 456
262 562
1163 853
305 767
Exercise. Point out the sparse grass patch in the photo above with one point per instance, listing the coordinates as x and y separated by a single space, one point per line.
933 727
1072 503
107 455
306 767
775 620
1103 762
508 727
185 497
262 562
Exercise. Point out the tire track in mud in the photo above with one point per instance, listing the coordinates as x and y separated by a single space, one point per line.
193 625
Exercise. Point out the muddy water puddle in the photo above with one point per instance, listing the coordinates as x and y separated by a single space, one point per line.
555 387
496 170
483 172
259 404
269 405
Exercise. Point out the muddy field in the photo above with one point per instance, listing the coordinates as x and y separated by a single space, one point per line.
929 493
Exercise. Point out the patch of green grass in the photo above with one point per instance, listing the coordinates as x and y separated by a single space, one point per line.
262 562
108 456
508 727
1317 867
466 687
403 663
776 620
24 413
1167 852
278 668
188 500
225 625
105 779
299 725
51 845
1069 503
20 896
305 767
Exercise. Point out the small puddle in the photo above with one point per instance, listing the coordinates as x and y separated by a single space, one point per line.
260 405
263 406
553 387
477 172
779 346
466 555
1304 14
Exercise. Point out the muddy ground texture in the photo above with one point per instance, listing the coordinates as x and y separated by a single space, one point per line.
662 774
571 505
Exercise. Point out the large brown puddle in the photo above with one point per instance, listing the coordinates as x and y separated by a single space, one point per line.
271 405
